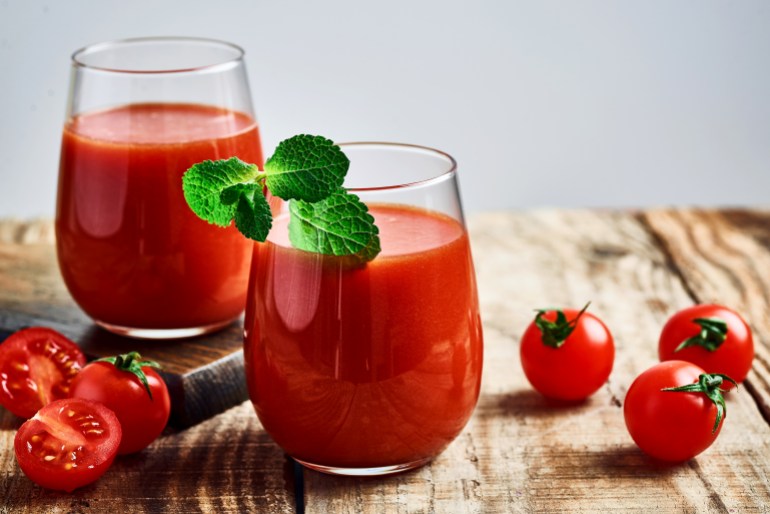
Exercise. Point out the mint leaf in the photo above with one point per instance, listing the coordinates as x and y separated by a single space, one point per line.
204 183
338 225
253 218
305 167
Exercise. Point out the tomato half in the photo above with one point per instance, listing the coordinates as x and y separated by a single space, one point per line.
668 425
36 367
143 411
720 341
68 444
575 369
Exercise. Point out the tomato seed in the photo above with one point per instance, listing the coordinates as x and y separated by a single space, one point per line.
48 458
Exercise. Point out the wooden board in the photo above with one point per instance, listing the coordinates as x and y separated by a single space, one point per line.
519 453
226 464
204 374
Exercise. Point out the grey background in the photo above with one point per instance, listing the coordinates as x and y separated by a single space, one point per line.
543 103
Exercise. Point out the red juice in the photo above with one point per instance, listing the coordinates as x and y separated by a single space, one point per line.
131 251
369 366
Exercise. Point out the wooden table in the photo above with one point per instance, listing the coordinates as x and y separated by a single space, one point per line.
519 453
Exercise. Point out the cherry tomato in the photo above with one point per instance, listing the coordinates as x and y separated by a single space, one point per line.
36 367
714 337
673 425
68 444
118 382
567 355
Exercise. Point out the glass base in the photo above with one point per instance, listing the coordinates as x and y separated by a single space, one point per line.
162 333
366 472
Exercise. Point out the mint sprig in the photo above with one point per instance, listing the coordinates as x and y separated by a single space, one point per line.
306 170
204 183
340 224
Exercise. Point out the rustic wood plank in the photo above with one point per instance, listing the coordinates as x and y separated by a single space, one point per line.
205 374
521 453
724 257
225 464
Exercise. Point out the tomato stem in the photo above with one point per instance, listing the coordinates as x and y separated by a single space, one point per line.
132 363
554 333
708 384
713 333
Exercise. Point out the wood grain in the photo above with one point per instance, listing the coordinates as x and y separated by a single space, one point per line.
724 257
205 374
227 464
521 453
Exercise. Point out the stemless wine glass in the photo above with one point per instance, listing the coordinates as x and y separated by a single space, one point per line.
370 369
132 254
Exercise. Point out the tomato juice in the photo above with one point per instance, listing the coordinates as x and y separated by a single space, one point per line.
130 250
366 366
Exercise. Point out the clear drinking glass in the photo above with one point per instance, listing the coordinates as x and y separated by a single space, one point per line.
132 254
373 369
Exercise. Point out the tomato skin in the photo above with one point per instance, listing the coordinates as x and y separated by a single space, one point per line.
670 426
575 370
36 367
66 440
733 357
143 419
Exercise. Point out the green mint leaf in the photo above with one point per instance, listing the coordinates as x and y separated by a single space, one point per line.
253 218
232 194
204 183
338 225
305 167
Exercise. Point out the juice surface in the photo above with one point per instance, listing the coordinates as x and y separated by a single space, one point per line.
367 366
130 250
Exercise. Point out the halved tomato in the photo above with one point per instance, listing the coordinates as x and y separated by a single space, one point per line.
68 444
36 367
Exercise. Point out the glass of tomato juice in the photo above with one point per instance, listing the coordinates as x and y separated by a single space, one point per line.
370 369
132 254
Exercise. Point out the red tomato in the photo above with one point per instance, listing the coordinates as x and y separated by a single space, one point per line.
143 411
36 368
732 353
668 425
581 362
68 444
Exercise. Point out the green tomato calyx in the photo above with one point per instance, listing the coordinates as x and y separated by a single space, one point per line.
132 363
708 384
554 333
713 333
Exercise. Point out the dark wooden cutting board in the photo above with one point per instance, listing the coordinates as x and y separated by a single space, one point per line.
204 374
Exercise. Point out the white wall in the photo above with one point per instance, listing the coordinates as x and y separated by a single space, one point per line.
543 103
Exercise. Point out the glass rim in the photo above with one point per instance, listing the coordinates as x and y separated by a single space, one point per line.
77 55
449 172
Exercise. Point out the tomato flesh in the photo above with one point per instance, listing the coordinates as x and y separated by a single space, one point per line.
68 444
37 366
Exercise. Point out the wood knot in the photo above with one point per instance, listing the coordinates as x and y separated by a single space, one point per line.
608 251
